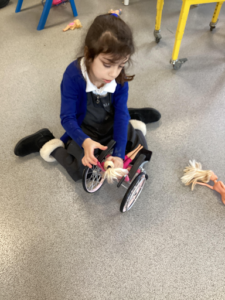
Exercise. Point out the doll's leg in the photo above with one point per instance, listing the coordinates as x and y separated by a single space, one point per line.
201 183
134 152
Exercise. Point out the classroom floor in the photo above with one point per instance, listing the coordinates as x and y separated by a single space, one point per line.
59 243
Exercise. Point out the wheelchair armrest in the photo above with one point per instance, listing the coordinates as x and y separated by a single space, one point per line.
121 181
104 153
136 166
147 153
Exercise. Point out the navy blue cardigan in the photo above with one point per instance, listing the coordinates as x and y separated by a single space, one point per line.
74 106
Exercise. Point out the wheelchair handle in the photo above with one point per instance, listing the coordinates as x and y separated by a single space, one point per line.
121 181
104 153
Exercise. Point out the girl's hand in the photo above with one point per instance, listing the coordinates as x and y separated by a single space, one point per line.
117 161
89 146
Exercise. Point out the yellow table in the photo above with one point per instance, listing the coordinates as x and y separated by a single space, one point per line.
177 63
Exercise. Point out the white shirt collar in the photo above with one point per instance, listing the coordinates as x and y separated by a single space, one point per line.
90 87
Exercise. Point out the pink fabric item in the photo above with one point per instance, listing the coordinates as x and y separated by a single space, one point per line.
56 2
126 162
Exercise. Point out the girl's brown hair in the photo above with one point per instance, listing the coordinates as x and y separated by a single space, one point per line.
110 35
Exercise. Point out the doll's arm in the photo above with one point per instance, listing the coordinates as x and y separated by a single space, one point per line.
201 183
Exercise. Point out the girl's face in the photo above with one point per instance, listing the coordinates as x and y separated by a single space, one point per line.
103 71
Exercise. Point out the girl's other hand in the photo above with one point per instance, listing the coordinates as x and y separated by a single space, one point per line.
117 161
89 146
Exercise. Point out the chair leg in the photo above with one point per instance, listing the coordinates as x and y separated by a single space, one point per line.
73 6
215 16
179 35
19 5
44 14
159 8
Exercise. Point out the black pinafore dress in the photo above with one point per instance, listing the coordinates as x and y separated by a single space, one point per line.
98 125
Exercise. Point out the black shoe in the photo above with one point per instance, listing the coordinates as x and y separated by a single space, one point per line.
33 143
146 115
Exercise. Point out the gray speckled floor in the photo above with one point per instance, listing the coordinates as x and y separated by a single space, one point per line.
59 243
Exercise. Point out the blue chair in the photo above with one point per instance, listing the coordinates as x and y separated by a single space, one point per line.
45 11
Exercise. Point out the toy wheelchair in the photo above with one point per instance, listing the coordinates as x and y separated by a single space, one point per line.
134 181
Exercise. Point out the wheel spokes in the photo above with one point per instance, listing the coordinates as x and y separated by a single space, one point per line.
95 178
135 193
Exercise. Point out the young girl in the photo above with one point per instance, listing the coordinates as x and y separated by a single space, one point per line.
94 93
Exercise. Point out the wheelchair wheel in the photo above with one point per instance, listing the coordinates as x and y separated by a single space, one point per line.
92 179
133 192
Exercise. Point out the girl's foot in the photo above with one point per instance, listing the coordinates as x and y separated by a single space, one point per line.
33 143
146 115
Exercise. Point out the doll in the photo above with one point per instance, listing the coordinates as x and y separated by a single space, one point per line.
75 24
194 173
117 12
110 173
